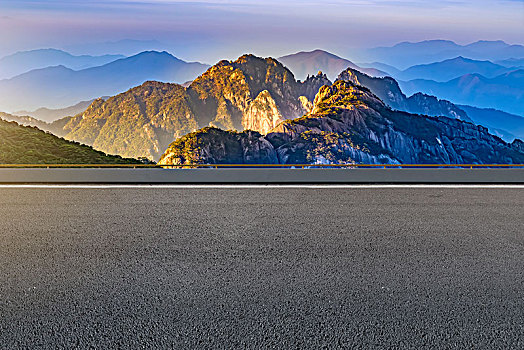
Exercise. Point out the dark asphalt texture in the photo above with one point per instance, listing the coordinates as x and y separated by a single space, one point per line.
262 268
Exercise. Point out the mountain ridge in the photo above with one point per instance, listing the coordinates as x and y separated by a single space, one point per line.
406 54
348 124
505 125
453 68
306 63
49 115
46 86
389 91
504 92
25 61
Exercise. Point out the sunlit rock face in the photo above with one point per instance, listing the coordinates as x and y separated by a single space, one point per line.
350 124
307 105
262 114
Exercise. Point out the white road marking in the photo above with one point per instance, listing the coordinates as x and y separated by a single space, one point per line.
324 186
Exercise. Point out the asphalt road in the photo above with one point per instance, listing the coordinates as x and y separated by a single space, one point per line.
262 268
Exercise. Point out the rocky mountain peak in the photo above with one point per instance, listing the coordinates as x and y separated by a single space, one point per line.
343 95
312 85
388 90
262 114
350 75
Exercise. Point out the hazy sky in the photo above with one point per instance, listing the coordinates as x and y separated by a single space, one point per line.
208 30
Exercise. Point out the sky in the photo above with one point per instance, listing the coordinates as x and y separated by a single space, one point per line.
210 30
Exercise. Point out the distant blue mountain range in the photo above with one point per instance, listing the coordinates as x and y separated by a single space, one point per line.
504 92
24 61
511 62
451 69
406 54
466 81
59 86
479 83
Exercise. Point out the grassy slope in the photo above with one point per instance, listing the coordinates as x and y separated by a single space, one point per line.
29 145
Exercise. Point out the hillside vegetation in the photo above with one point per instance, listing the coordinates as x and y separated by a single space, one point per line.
29 145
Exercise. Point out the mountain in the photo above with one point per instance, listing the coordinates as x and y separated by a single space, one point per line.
249 93
406 54
29 145
388 90
511 62
390 70
505 125
56 127
50 115
57 87
497 49
349 124
25 61
451 69
504 92
303 64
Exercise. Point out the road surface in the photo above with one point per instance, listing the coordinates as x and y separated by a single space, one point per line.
262 268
